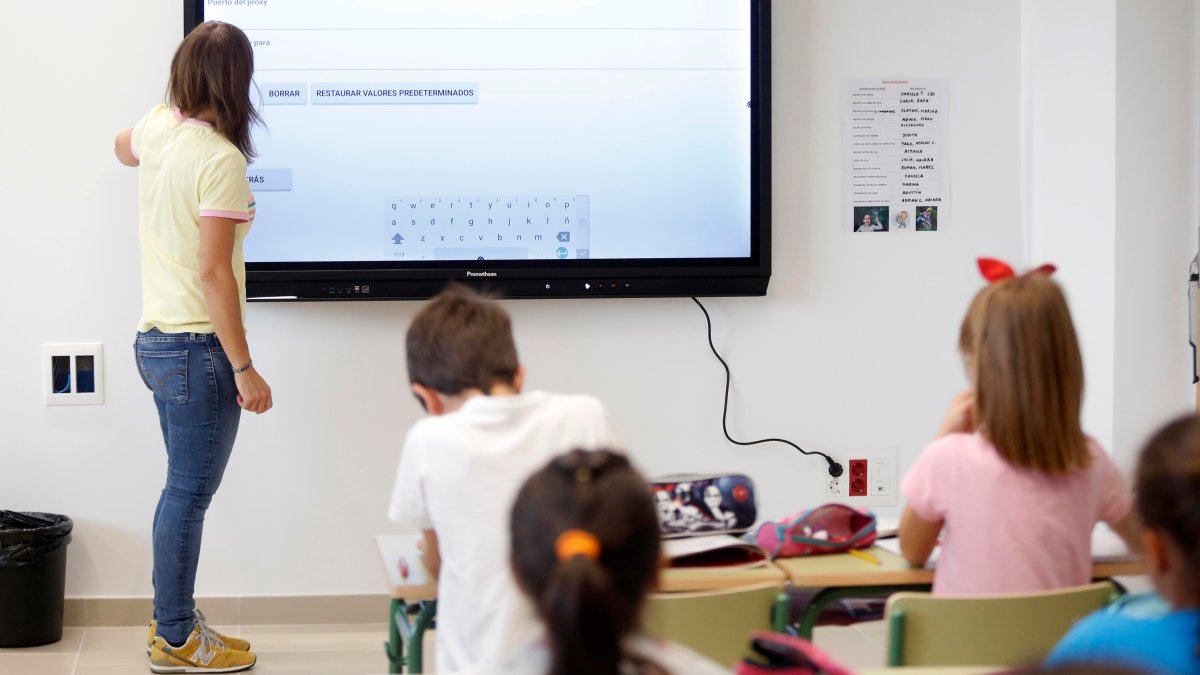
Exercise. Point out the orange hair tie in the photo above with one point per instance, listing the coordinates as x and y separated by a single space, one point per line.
577 542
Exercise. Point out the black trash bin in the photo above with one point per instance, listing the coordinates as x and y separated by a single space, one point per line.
33 577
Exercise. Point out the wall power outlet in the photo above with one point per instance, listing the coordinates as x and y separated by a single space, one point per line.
73 374
869 480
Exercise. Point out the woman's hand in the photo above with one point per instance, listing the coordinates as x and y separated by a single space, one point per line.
960 418
254 394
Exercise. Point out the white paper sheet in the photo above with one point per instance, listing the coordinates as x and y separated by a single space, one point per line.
895 155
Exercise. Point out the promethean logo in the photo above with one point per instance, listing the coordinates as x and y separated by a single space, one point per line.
481 274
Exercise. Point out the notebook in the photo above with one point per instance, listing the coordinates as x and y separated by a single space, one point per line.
718 550
886 526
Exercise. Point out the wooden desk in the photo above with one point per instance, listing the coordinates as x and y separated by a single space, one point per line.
417 592
682 580
843 569
843 575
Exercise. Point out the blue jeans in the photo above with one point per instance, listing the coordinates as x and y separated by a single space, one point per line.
193 386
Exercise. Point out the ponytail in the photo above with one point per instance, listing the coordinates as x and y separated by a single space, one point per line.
585 619
585 548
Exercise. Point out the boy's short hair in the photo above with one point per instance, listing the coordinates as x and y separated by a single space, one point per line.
461 340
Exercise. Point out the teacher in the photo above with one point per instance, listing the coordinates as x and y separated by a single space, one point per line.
195 208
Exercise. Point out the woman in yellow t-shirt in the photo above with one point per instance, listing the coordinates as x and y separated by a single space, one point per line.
195 208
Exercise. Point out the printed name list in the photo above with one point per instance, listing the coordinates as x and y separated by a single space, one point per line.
895 171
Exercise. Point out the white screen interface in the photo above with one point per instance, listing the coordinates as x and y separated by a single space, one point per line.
429 130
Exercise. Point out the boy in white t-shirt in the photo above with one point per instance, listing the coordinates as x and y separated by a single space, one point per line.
462 466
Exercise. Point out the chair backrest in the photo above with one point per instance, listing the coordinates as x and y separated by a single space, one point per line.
997 630
718 623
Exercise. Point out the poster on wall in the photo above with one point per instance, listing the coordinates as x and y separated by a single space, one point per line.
895 155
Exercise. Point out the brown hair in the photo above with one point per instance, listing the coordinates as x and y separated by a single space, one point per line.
588 605
1168 489
1023 354
212 72
461 340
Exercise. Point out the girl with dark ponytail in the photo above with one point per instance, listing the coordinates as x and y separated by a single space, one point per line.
585 550
1168 503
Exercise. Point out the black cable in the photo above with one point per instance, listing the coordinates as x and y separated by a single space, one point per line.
835 469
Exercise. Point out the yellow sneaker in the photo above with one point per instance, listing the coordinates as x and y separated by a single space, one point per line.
204 652
231 642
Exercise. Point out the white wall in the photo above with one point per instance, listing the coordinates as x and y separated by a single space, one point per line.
1071 88
1156 215
1110 90
854 346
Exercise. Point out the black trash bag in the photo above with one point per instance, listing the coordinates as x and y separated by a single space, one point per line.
30 537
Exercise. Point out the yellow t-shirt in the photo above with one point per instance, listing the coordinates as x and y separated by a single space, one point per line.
187 170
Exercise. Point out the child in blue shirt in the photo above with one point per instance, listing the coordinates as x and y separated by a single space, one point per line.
1168 502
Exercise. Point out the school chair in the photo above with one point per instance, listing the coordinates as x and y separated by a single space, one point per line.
998 630
717 623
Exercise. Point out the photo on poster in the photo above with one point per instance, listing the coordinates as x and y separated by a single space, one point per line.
927 219
903 221
870 219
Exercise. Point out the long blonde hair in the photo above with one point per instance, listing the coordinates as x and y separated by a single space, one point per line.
1021 348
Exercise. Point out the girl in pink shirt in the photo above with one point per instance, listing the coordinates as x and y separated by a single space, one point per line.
1012 484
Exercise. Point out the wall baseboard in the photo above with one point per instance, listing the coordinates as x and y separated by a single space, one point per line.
235 611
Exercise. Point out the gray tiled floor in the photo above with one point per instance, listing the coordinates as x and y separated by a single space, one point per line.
355 649
309 649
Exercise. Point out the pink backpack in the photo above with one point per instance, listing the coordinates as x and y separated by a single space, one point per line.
829 528
788 655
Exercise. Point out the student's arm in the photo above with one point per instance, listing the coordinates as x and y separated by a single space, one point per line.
225 310
929 490
1116 501
918 537
433 557
123 148
1129 529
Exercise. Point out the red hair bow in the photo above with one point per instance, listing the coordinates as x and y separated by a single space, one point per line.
997 270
